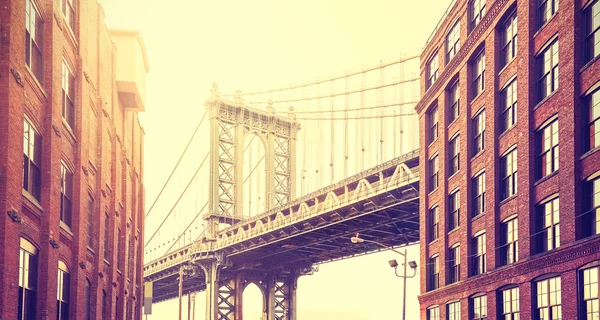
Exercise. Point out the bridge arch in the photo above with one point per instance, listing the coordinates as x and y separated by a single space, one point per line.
254 297
254 174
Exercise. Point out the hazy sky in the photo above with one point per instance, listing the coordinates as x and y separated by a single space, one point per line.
258 45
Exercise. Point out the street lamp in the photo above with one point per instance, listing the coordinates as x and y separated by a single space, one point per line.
394 264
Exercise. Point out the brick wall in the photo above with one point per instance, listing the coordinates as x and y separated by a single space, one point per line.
566 103
101 172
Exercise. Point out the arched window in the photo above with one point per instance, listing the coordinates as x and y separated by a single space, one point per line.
87 302
64 283
27 280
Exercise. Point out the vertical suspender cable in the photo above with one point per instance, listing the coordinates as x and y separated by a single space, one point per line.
347 100
362 136
332 132
381 102
304 151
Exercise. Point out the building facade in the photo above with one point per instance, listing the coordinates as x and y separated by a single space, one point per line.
510 140
71 163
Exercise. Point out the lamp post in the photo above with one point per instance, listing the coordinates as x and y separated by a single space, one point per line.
394 264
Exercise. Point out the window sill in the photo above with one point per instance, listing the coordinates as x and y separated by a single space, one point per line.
433 141
477 217
545 24
32 200
477 155
433 190
508 63
430 243
504 201
507 131
68 129
589 152
539 104
453 230
539 181
65 227
477 96
36 81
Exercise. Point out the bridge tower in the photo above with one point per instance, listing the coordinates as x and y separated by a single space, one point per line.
230 123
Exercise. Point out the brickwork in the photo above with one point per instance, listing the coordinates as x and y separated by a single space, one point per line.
105 161
576 79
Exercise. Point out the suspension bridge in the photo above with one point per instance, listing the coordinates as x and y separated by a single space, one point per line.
287 176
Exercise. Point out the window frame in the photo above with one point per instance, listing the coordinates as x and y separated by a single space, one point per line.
32 160
549 53
478 186
28 280
478 129
478 73
478 301
548 151
453 41
66 196
67 7
454 263
454 209
454 100
68 95
592 134
434 172
433 119
433 271
453 310
106 230
91 209
509 37
586 291
509 174
432 75
476 14
509 238
509 100
542 11
434 220
546 292
548 232
591 32
34 40
454 149
590 219
479 255
63 292
433 313
513 302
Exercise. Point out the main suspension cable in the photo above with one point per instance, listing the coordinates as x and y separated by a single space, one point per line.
176 165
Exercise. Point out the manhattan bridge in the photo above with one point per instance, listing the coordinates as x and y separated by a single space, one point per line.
273 183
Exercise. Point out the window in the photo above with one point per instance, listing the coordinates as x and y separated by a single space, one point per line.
33 39
509 106
592 118
547 63
119 260
433 313
508 172
454 263
509 238
68 9
66 194
478 73
548 223
547 304
478 185
547 146
104 305
478 255
476 13
434 223
453 42
87 300
589 294
590 221
591 17
433 173
62 297
479 132
106 238
509 40
454 101
432 70
479 304
433 124
32 160
509 305
454 207
68 95
434 272
454 154
453 310
90 222
546 10
27 280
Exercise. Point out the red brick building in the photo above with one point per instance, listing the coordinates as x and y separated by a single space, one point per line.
71 166
509 225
